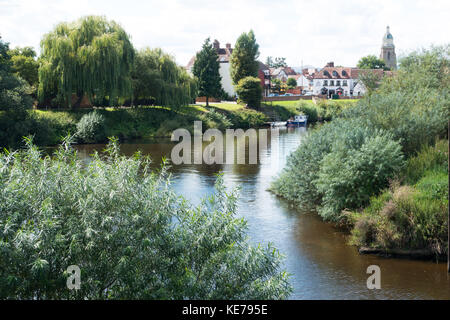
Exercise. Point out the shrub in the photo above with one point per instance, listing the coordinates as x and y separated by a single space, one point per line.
297 180
130 234
409 216
308 109
347 177
214 119
91 128
249 91
328 110
410 107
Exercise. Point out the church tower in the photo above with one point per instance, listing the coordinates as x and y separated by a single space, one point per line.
388 50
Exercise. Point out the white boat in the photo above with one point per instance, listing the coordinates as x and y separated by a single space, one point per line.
298 121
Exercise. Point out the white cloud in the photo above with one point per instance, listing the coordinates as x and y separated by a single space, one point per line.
313 31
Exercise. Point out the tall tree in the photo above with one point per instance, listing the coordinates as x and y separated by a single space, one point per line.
91 56
371 62
206 69
243 59
14 91
15 99
24 64
157 79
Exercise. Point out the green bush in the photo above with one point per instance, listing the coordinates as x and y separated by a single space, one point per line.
348 177
406 217
328 110
409 216
91 128
411 108
308 109
130 234
215 119
249 91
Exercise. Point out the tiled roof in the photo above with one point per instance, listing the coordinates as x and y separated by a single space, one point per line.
287 70
344 73
334 73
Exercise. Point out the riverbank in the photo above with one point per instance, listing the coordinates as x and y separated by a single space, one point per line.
50 126
381 168
317 254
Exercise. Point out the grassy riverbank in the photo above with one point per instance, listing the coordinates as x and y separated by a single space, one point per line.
369 169
50 126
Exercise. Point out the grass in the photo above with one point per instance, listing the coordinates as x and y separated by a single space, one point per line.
50 126
411 215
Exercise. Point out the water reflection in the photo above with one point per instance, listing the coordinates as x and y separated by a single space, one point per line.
322 265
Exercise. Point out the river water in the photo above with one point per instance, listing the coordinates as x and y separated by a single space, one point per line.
321 264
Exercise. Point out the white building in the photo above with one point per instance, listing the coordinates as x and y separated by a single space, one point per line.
224 66
343 81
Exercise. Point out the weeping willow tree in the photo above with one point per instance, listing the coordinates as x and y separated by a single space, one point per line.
91 56
157 79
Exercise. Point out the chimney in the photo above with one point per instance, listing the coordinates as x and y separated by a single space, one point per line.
216 44
228 45
330 64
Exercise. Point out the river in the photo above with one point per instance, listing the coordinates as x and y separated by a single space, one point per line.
321 264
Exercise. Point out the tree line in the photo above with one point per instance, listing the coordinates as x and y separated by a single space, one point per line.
244 70
94 58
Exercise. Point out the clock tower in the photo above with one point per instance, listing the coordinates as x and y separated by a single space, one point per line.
388 50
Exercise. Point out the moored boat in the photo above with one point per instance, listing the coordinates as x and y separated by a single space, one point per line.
299 120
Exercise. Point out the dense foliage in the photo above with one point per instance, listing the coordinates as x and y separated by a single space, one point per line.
123 225
15 100
244 57
412 215
371 62
343 163
206 69
91 128
158 80
25 65
249 91
91 56
291 83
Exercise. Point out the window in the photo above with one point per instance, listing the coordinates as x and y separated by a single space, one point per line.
344 83
338 82
325 82
344 73
335 74
326 73
331 82
346 93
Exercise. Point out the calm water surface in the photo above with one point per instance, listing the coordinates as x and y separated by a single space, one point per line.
322 265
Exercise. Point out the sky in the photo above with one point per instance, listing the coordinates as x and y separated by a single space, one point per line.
309 32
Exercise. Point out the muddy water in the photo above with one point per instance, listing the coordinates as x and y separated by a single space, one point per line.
322 265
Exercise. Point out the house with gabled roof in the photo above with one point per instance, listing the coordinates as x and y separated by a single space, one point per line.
224 66
331 80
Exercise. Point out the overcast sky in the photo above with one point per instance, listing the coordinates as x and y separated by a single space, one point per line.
315 31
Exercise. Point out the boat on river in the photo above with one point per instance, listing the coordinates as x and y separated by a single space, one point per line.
299 120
